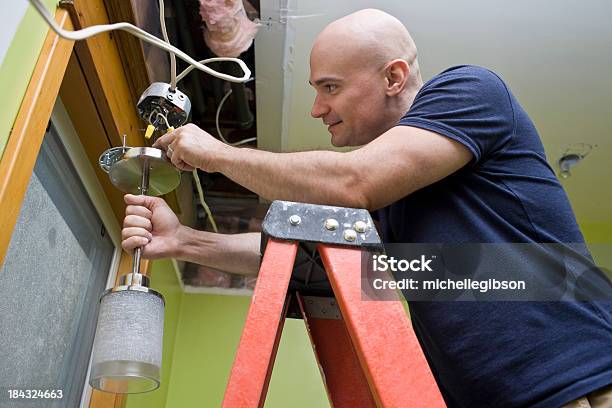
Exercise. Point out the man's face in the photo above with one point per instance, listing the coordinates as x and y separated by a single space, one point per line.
350 96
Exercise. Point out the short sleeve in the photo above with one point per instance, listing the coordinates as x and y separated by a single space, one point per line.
468 104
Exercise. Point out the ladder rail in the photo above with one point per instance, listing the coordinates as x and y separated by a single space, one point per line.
250 375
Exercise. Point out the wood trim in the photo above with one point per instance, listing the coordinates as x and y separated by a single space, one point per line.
24 142
81 108
130 47
101 63
125 266
102 399
96 95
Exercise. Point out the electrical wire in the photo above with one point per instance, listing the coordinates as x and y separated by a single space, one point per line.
241 142
150 115
162 20
201 194
207 61
91 31
217 115
164 118
173 82
196 178
145 36
245 141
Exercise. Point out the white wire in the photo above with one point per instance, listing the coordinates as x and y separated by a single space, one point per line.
162 21
217 115
151 39
250 139
201 194
149 118
145 36
206 61
173 81
198 187
241 142
165 119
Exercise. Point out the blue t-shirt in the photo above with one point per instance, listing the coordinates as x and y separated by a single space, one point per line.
497 354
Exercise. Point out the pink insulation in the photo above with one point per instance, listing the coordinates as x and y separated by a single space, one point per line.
228 31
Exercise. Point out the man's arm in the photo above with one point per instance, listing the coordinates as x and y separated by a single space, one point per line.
234 253
397 163
151 224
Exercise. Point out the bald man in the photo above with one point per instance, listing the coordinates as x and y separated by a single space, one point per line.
450 161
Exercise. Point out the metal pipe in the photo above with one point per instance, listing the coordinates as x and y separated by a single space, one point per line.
144 187
244 116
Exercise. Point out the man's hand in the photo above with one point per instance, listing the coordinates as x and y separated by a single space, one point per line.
151 224
190 147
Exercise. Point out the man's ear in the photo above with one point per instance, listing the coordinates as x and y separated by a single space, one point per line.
396 74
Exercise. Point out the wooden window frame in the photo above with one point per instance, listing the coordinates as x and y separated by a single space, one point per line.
88 77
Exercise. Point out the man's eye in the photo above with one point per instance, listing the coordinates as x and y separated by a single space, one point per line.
330 87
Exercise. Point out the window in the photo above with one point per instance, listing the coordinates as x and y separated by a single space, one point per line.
56 268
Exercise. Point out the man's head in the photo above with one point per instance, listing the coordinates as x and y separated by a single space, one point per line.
364 69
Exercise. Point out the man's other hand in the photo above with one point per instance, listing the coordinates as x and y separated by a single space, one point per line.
151 224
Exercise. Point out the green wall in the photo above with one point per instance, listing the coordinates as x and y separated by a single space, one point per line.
599 239
597 232
18 65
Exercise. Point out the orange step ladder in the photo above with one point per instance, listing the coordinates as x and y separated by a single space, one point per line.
367 352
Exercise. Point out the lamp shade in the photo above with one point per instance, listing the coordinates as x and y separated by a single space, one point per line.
127 351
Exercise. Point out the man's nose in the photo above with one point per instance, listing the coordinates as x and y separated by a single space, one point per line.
319 109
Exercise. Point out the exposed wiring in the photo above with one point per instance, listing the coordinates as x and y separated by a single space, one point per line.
145 36
241 142
217 115
150 115
173 81
197 182
91 31
165 120
204 61
162 20
201 194
250 139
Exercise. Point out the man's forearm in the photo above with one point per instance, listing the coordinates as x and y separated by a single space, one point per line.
318 177
235 253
